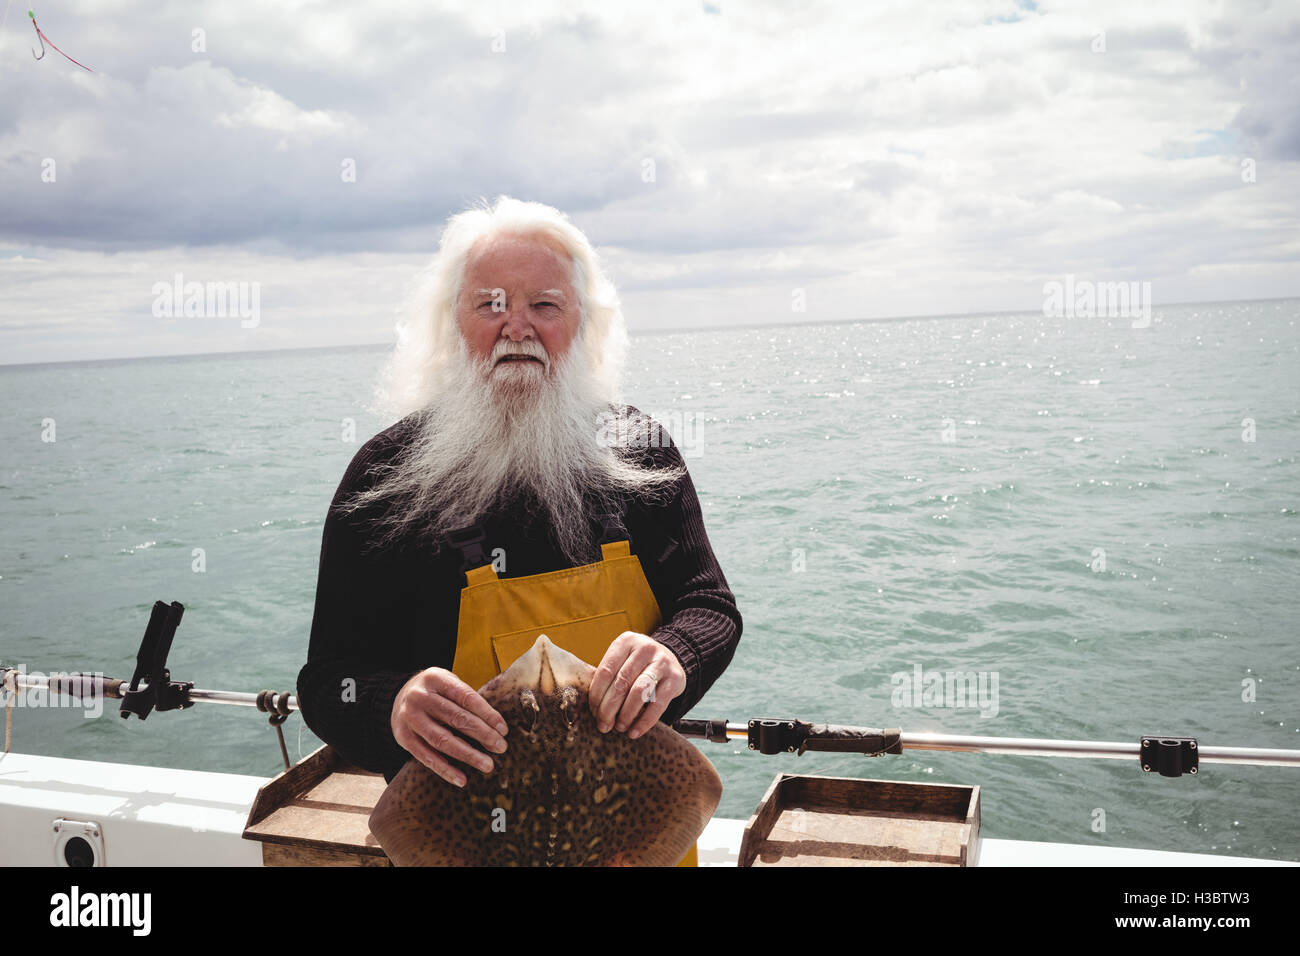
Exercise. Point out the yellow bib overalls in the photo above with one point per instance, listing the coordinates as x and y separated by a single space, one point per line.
580 609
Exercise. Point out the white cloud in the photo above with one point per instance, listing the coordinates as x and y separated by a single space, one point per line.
931 158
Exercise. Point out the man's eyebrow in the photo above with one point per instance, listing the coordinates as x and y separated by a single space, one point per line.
553 293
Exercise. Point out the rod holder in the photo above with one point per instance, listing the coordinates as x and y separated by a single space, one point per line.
1169 756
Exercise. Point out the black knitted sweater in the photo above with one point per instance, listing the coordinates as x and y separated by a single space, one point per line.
382 616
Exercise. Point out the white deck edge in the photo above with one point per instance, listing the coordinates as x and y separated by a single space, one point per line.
161 816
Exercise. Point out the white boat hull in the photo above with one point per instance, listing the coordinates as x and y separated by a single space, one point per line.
158 816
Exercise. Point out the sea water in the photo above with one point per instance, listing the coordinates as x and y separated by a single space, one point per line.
1005 525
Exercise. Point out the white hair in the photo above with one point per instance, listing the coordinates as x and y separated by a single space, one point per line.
486 437
428 338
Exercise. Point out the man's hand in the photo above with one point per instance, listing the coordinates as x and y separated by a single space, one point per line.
637 675
429 707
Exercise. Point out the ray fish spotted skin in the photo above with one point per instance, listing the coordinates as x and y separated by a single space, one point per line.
563 794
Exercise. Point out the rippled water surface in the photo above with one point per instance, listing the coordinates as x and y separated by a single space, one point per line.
1068 507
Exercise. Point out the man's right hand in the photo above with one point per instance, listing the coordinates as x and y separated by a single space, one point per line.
429 707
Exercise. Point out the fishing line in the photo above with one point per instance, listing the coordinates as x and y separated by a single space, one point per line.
40 35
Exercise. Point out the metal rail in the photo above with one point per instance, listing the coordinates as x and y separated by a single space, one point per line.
92 686
788 735
784 735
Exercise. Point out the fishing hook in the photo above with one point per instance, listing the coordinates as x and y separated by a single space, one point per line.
38 36
41 36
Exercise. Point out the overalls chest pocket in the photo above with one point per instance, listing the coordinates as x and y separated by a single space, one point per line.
587 637
580 609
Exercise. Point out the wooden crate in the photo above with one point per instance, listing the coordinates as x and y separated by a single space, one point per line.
840 821
317 813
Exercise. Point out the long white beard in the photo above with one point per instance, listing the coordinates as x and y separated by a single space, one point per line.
491 435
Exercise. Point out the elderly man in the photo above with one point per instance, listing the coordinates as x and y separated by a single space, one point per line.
504 505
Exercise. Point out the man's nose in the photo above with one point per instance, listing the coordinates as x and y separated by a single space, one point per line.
517 325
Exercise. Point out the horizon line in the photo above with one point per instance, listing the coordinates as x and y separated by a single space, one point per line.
672 330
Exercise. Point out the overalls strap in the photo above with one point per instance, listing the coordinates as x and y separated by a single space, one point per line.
469 542
611 526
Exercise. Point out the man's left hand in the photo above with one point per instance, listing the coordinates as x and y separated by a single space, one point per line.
637 676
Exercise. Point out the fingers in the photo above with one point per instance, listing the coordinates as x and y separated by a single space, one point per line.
644 690
626 658
432 715
638 678
469 699
603 679
441 740
418 749
657 686
656 702
454 717
467 713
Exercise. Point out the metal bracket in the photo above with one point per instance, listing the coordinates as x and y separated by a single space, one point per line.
160 691
1169 756
773 736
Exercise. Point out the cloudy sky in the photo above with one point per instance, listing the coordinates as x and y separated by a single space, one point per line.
731 161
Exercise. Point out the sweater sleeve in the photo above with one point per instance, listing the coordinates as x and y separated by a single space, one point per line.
357 661
701 623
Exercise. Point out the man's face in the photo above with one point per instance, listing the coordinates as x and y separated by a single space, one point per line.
517 296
